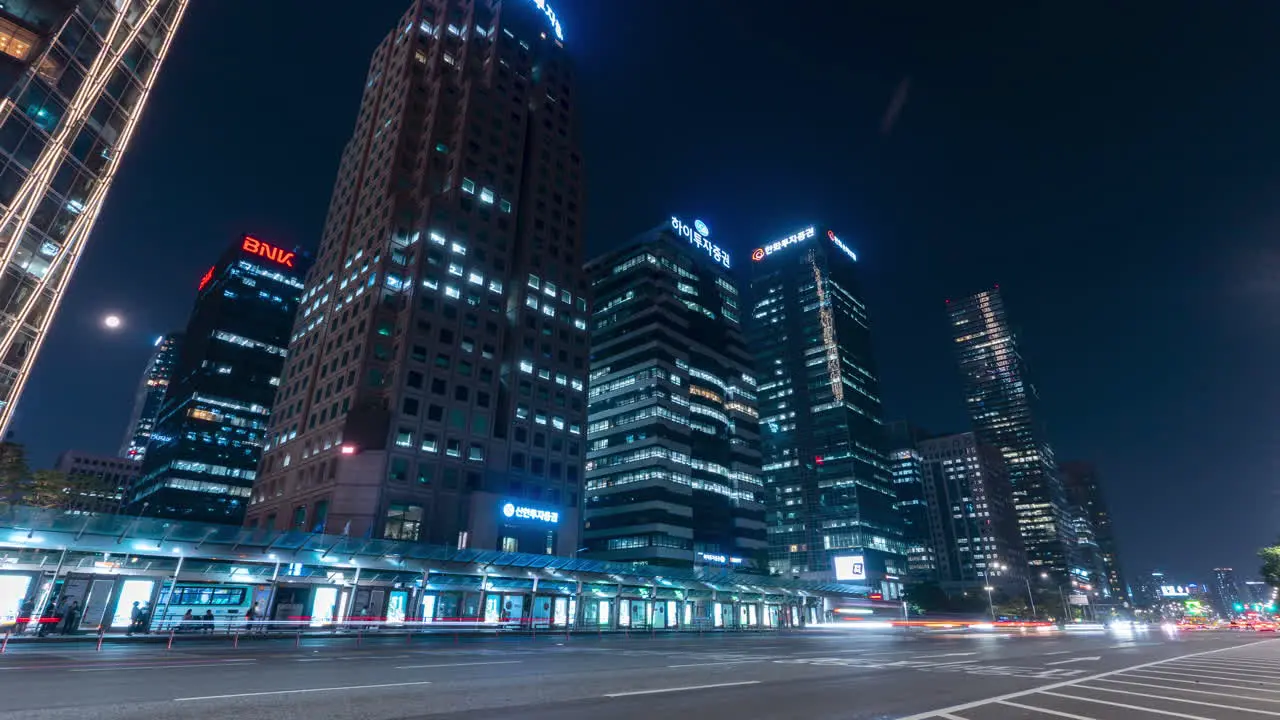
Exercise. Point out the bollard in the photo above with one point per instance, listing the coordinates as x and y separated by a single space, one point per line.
235 641
359 633
170 647
5 645
102 631
297 640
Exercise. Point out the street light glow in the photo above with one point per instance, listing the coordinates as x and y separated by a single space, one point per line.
112 322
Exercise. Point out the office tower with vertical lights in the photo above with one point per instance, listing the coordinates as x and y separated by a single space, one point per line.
1083 488
673 463
826 470
436 380
208 437
973 520
150 396
76 75
1001 402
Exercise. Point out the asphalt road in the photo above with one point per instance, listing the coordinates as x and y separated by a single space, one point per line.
813 674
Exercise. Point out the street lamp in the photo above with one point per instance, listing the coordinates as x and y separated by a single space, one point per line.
990 603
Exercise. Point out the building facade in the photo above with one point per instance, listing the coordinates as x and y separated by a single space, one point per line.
76 75
1001 402
150 396
907 466
826 470
972 516
1228 597
110 479
437 371
207 441
673 460
1083 489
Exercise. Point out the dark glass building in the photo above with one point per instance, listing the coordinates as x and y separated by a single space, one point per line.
208 439
1083 489
437 372
1001 402
75 75
826 469
673 462
150 396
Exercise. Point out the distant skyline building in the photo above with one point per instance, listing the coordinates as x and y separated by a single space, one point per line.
1001 401
1083 489
826 469
1226 593
113 476
907 466
77 76
436 383
150 396
973 519
673 461
208 438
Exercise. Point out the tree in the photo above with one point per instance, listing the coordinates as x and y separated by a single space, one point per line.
1271 564
927 597
15 474
79 492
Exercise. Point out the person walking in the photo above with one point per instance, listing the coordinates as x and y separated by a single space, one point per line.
48 619
135 619
71 619
24 614
250 616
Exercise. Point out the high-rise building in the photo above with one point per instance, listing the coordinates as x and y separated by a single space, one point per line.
1084 490
1002 404
109 479
1225 593
436 381
907 467
212 425
972 515
76 75
150 396
826 469
673 461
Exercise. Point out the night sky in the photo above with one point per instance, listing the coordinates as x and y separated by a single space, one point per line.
1115 167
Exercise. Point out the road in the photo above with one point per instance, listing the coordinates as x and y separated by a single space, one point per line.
814 674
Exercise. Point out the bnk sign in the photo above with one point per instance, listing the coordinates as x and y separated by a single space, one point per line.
254 246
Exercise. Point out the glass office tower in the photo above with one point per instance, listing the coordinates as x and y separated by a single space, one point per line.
1083 487
150 396
437 372
673 465
76 75
827 477
1001 402
208 438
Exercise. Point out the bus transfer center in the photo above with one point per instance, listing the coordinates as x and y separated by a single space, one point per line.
106 563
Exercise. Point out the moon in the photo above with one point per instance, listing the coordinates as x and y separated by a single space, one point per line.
112 322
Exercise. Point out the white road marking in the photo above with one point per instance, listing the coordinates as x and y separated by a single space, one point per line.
1243 664
1046 711
925 657
303 690
1127 707
1228 668
1237 696
1065 683
466 664
945 716
1061 652
1178 700
173 666
1212 674
681 689
1091 658
726 662
1199 682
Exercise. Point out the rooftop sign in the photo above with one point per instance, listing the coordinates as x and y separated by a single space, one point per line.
254 246
697 235
761 253
551 16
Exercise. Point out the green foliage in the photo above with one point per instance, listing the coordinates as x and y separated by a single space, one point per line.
1270 556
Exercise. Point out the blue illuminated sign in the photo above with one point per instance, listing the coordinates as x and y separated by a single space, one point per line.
773 247
520 512
832 236
697 235
551 16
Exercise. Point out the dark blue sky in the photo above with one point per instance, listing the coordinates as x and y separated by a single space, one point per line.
1115 167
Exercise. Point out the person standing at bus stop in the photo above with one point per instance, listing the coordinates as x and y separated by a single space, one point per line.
135 619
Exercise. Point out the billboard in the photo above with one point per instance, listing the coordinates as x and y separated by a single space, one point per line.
850 567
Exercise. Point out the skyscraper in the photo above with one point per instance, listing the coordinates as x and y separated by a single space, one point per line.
211 428
673 462
827 480
1002 404
907 466
1083 489
435 387
76 75
975 526
1225 592
150 396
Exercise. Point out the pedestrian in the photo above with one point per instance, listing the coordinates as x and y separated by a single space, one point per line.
71 619
135 619
249 616
24 614
188 622
48 619
208 621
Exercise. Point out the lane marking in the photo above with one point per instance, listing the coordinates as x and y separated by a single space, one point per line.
726 662
926 657
303 690
1046 711
173 666
681 689
1178 700
1188 690
945 716
466 664
1061 652
1214 675
1198 682
1128 707
1091 658
1243 664
1065 683
1221 667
